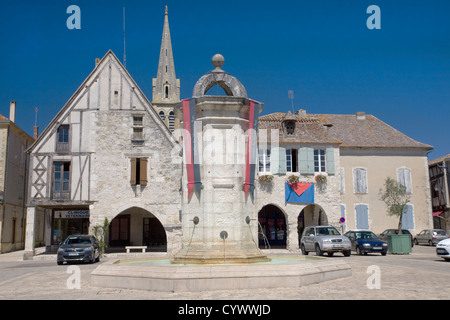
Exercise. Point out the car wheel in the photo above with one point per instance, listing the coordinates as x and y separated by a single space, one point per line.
430 243
383 253
347 253
304 252
93 257
59 263
416 242
319 252
330 254
98 258
358 251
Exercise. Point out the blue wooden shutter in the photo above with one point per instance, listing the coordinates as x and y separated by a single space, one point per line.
344 225
278 161
330 160
306 160
362 216
408 218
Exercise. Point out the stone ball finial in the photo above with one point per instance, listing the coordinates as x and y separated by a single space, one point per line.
218 60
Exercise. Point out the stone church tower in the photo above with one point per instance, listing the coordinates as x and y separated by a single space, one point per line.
166 87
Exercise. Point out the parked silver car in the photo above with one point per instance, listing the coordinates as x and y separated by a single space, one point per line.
430 236
324 239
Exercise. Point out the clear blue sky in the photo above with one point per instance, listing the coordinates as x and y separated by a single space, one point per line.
320 49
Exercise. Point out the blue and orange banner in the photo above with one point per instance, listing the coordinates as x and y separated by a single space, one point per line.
299 192
191 146
250 163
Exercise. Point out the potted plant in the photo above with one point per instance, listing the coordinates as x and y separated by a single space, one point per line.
396 198
267 178
320 179
293 179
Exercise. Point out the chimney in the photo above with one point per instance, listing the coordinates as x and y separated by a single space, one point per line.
12 111
35 132
301 112
361 115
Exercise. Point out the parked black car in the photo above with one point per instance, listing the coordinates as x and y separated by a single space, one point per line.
384 235
364 241
83 248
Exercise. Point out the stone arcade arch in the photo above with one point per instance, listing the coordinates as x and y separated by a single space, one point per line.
272 229
311 215
137 226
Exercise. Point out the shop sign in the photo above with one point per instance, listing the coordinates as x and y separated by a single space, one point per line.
72 214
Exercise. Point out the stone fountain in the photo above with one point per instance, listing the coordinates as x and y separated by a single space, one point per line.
219 221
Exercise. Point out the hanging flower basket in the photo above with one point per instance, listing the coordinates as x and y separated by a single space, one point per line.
320 179
267 178
293 179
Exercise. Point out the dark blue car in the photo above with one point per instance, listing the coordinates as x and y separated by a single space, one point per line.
364 241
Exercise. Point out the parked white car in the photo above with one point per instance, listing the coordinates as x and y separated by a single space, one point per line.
443 249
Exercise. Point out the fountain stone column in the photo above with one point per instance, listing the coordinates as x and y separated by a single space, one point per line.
219 221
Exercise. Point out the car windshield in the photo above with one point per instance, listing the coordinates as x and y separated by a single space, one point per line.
365 235
78 240
327 231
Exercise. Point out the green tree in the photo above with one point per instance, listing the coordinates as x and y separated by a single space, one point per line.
394 195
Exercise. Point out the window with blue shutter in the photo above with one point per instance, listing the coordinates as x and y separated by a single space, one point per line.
408 217
306 160
362 216
360 180
344 225
330 160
278 160
404 178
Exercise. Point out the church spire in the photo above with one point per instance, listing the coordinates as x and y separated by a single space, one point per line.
166 87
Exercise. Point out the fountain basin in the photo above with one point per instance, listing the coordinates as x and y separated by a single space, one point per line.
160 275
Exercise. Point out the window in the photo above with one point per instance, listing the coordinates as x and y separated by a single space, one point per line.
162 115
138 129
342 180
319 160
139 171
404 178
408 217
290 128
61 180
362 216
62 142
360 180
264 160
171 121
166 92
138 120
291 160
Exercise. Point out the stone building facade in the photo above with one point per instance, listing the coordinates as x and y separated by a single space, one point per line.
13 177
355 154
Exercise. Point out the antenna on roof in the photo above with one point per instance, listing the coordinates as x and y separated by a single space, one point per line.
124 42
291 96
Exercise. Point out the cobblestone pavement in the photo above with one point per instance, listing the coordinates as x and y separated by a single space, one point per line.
419 275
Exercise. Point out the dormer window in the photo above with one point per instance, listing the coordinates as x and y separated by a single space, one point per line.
290 128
